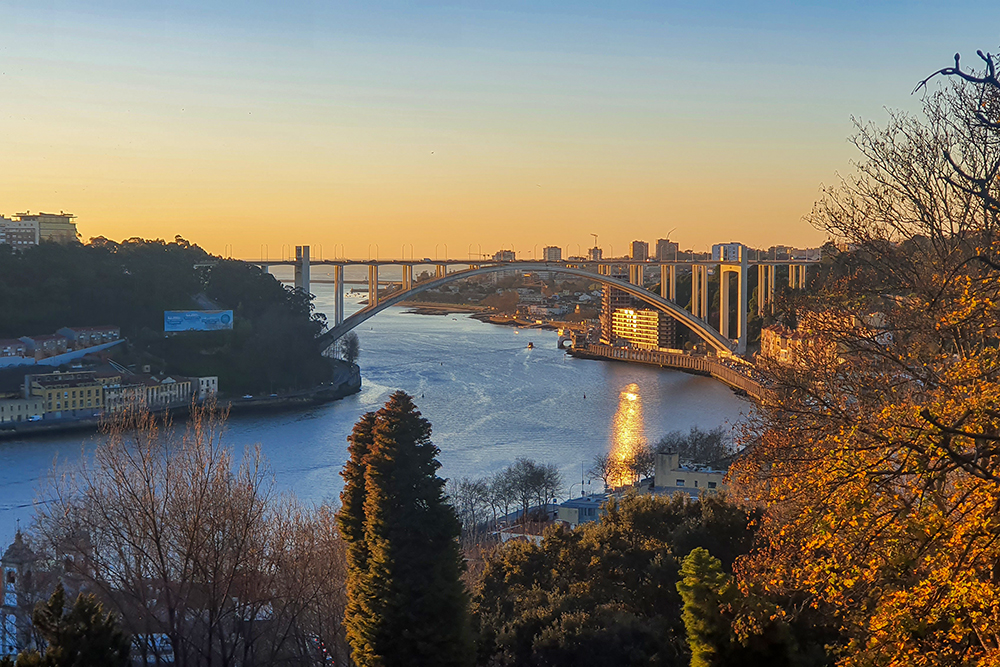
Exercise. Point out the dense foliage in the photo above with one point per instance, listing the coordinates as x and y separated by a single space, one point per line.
130 284
604 593
880 464
85 635
406 603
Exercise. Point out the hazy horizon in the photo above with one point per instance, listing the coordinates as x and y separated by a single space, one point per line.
245 124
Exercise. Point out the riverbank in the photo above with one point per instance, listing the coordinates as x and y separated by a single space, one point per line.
739 380
326 393
434 308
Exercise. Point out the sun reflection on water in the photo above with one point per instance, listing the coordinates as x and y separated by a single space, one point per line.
628 433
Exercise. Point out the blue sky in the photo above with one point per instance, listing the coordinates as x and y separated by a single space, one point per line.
453 121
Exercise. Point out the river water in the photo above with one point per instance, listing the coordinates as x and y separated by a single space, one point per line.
488 398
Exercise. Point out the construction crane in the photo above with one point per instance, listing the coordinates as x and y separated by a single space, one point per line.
595 239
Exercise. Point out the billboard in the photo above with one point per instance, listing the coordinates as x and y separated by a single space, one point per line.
197 320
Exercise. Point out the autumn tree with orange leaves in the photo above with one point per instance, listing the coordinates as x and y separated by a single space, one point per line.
879 465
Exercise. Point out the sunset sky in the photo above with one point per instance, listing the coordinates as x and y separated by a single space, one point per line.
247 124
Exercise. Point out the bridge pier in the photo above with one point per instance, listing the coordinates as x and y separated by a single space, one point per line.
372 285
699 291
635 274
407 277
724 301
302 268
440 270
668 281
338 294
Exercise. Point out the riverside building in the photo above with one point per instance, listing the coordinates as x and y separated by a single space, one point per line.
643 328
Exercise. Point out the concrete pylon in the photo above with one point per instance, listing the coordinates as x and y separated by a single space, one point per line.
704 292
724 274
743 303
302 268
635 274
407 277
338 294
372 285
695 299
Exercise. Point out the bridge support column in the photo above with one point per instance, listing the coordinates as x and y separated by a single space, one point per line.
338 294
440 270
302 268
704 293
635 274
695 301
407 277
761 279
772 280
743 303
724 301
665 282
604 269
673 283
372 285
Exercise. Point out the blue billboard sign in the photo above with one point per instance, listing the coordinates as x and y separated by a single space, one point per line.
197 320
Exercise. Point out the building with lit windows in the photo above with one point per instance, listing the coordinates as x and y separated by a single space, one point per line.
643 328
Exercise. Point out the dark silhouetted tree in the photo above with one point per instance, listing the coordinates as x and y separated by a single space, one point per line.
406 603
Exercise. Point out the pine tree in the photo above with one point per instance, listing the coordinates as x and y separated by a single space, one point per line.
407 605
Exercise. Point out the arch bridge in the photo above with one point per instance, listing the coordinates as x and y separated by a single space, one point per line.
599 271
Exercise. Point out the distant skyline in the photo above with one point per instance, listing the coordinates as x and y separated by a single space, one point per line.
246 124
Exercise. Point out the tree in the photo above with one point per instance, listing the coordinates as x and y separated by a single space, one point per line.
704 587
604 468
879 464
605 592
406 604
182 542
696 446
84 636
350 347
641 463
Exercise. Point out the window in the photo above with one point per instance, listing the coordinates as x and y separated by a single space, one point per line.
679 482
696 484
711 485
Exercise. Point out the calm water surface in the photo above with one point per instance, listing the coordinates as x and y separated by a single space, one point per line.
488 397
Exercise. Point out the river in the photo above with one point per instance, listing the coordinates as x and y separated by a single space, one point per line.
489 398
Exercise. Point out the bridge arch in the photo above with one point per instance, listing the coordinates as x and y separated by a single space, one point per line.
700 327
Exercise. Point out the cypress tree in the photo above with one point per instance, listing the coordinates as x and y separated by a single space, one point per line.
407 605
704 587
351 521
